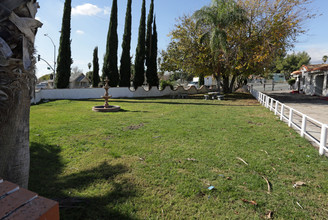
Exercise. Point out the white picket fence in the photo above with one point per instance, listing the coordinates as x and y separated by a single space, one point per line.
308 127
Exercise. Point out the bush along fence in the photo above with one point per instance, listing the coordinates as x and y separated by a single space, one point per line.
307 126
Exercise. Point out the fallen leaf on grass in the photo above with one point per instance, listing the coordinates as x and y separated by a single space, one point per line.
268 183
299 205
191 159
269 215
298 184
242 160
249 202
265 152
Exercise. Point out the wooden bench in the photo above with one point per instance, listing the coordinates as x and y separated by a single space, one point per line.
18 203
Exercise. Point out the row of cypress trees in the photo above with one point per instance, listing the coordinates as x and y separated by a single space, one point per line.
146 52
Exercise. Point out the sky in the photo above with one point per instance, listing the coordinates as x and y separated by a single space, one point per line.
90 22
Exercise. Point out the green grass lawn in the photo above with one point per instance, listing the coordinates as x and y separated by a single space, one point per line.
156 158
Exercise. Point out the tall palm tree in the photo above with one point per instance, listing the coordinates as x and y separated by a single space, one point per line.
17 79
325 58
219 16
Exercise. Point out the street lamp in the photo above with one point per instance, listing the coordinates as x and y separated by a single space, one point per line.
54 54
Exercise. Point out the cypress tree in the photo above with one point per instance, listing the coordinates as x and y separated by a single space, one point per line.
95 73
149 39
153 77
139 64
110 59
64 59
125 70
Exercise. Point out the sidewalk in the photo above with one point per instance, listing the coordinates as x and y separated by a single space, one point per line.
313 106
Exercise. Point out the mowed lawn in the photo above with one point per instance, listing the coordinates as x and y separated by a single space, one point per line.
157 158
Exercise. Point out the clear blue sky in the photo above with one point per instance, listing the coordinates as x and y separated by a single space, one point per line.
90 21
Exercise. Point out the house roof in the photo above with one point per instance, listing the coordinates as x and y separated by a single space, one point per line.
297 72
78 77
311 68
315 67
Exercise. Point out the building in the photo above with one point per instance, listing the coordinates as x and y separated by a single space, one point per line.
76 81
312 79
79 80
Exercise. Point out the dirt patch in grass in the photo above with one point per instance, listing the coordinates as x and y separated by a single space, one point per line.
134 127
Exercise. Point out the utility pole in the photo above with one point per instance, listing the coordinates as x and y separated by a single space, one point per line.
54 69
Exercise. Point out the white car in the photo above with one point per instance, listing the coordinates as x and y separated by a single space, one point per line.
193 84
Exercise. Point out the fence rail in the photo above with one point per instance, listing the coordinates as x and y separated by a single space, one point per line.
308 127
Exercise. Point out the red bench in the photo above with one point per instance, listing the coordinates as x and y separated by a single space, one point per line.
18 203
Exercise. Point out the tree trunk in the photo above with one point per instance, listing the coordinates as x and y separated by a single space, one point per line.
17 79
232 83
225 81
14 139
218 77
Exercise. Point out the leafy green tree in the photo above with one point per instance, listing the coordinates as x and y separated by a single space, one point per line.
152 77
64 59
110 59
324 58
139 64
218 17
268 32
125 70
187 52
293 62
241 38
95 73
149 40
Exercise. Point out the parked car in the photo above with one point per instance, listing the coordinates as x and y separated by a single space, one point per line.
193 84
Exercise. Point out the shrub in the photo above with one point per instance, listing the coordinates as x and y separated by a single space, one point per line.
165 83
291 82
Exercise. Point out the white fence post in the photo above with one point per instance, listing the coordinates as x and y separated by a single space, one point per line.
267 102
276 108
271 104
263 99
323 139
290 119
282 112
303 129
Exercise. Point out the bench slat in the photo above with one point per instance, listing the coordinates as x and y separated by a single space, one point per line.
13 201
39 208
6 188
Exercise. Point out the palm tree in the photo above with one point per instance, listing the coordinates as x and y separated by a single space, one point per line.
220 15
17 80
325 58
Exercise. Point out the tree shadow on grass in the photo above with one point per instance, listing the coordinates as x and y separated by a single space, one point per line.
47 180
